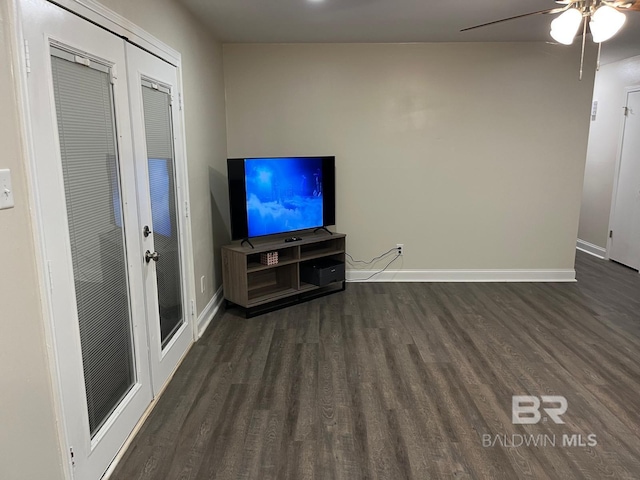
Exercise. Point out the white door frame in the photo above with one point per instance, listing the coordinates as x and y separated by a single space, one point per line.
614 194
119 25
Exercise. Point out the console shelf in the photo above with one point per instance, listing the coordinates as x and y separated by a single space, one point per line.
255 286
320 254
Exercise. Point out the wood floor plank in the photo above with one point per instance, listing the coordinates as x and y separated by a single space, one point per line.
222 458
253 445
273 448
408 381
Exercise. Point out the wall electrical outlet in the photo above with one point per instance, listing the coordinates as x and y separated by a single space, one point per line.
203 283
400 248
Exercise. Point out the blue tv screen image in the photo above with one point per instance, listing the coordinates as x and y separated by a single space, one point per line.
160 192
283 194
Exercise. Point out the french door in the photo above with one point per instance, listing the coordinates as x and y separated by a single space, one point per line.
154 107
106 168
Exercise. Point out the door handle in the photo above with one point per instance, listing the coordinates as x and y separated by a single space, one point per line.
146 231
148 256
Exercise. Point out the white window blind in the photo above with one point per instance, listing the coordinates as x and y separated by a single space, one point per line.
86 128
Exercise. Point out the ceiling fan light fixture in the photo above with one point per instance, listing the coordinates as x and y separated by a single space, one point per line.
605 22
565 27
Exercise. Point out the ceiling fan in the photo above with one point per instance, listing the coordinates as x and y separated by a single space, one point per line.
604 18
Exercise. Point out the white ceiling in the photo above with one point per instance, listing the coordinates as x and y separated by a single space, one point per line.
382 21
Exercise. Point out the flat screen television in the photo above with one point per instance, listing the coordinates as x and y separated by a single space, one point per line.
268 196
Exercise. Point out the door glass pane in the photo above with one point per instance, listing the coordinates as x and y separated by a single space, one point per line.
159 136
86 129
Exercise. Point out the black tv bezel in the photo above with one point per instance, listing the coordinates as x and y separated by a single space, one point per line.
238 195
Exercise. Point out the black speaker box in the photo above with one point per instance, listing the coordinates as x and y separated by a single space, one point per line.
322 271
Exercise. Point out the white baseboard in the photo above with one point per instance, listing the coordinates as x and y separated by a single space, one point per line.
560 275
591 249
205 317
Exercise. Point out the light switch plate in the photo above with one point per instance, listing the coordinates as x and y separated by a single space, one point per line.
6 191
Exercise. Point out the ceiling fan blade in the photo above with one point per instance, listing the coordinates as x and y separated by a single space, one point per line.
540 12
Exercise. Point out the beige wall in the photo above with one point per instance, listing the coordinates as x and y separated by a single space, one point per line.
29 446
472 155
205 123
602 152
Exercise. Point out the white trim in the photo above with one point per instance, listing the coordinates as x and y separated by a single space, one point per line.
17 47
185 206
205 317
591 249
116 23
559 275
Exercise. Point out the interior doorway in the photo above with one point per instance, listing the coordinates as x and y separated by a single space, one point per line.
624 246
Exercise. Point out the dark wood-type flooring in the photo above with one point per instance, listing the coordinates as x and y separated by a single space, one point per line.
401 381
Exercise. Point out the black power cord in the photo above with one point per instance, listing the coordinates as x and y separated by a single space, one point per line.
380 271
374 259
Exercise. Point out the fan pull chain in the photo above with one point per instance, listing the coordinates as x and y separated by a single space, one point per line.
584 40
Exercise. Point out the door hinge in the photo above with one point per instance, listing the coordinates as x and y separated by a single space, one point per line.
193 308
610 233
71 454
626 111
180 101
27 56
186 209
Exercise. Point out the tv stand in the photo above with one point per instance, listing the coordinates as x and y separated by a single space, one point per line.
260 288
323 228
246 240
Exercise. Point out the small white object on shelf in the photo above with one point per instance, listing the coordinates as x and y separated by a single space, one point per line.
269 258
